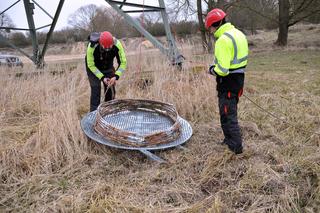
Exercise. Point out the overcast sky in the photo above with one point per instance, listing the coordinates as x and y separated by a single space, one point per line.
18 15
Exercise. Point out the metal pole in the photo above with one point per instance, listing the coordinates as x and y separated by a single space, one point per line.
9 7
137 25
3 39
175 56
54 21
42 9
172 52
122 4
29 12
13 28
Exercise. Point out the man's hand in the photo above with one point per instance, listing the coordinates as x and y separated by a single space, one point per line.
112 81
211 70
106 81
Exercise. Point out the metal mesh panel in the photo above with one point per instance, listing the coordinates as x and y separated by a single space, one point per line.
139 121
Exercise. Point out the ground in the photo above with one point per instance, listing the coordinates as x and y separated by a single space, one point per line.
48 164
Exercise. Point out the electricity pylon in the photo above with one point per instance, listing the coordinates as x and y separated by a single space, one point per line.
38 54
171 51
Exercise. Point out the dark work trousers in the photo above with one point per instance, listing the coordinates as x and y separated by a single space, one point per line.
95 85
229 121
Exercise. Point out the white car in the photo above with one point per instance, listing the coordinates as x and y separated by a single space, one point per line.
10 61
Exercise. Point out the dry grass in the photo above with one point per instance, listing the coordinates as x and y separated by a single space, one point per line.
48 165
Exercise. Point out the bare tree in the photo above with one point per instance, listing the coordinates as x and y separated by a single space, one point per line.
292 12
19 39
102 19
5 21
150 18
83 18
284 7
181 10
201 25
253 14
206 36
91 18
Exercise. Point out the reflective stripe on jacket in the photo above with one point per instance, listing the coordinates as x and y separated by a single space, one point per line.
90 61
123 61
231 50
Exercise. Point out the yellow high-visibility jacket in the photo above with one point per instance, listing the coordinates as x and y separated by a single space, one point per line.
231 50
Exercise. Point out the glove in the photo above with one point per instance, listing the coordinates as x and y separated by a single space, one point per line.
211 70
105 80
112 81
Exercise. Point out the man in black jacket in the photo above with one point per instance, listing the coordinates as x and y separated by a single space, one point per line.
101 51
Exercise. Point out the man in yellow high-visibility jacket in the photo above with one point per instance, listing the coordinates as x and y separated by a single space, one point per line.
231 53
101 51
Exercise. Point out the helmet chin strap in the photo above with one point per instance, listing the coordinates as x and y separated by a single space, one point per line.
219 25
216 28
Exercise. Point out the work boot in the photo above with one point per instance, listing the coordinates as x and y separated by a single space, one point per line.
223 143
236 150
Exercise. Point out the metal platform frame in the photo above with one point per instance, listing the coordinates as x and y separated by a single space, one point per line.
87 125
171 51
37 57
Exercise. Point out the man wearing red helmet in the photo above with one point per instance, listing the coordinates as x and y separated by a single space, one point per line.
101 51
231 53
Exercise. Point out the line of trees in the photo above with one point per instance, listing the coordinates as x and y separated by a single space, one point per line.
186 17
91 18
265 14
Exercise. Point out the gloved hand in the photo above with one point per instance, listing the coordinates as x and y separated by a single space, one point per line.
106 80
112 81
211 70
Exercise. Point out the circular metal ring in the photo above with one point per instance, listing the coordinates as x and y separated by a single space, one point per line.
87 125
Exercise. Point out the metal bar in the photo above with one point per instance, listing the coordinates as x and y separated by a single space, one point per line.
182 148
55 18
152 156
13 28
174 53
137 25
42 9
9 7
122 5
43 26
3 39
140 11
29 12
135 5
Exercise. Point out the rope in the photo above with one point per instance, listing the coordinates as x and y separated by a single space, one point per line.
266 111
112 90
278 118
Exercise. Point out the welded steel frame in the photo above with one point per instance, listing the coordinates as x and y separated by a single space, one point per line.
87 126
38 55
171 51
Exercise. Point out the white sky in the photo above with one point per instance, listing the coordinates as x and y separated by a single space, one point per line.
18 15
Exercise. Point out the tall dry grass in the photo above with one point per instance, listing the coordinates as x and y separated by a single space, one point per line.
48 165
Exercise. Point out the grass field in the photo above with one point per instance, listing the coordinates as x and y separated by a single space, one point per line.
48 165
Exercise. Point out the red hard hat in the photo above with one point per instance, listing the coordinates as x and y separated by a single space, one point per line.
213 16
106 40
